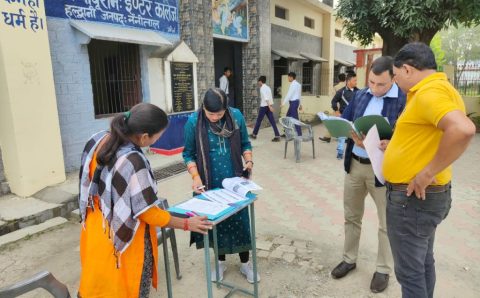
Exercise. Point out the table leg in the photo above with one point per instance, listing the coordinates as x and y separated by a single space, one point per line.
166 261
254 250
215 252
207 265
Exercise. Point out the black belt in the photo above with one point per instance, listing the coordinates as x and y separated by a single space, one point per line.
429 189
362 160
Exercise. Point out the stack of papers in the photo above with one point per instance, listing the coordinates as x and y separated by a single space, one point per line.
218 202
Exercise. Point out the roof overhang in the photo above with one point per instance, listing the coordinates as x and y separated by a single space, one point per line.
95 30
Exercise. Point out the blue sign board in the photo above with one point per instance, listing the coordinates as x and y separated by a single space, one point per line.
158 15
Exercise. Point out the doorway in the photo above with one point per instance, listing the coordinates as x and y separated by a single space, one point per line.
229 54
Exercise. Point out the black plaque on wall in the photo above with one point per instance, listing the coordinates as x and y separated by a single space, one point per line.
182 87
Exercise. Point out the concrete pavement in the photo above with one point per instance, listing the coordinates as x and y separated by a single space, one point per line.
302 202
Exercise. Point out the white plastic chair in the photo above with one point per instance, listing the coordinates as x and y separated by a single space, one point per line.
44 280
288 124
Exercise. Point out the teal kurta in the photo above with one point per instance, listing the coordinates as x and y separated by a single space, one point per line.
233 233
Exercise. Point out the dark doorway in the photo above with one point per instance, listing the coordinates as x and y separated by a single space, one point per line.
228 53
280 68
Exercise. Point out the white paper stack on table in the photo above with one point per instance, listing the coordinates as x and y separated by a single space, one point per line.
219 200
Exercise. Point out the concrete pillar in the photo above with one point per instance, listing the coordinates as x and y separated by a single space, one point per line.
328 45
29 126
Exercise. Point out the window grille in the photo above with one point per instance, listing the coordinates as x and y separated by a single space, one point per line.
115 74
307 74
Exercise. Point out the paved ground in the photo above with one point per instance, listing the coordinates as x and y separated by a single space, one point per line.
303 203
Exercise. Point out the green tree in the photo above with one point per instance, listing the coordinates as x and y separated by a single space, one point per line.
401 21
461 47
436 45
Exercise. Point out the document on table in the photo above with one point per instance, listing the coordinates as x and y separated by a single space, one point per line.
372 146
223 196
203 206
240 186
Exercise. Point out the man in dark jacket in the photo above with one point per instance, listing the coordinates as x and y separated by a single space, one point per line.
340 102
383 97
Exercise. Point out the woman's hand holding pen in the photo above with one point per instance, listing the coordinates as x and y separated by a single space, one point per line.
199 224
197 185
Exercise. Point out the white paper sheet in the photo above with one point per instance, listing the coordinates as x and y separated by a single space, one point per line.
240 186
372 146
202 206
222 196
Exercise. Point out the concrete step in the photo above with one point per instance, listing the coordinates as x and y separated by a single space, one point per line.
17 213
31 230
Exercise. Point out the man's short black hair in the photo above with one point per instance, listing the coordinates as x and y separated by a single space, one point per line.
350 75
226 69
341 77
417 55
292 74
262 79
383 64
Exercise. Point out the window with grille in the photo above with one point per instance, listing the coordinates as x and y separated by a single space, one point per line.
115 73
281 13
307 77
310 23
280 68
338 33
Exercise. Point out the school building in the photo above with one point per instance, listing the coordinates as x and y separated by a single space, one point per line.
69 65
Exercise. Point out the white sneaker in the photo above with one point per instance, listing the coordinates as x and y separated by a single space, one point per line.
247 270
221 269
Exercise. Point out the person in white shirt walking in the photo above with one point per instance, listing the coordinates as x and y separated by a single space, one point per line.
266 108
293 97
224 83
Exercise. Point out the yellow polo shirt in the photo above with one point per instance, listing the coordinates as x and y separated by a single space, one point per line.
416 137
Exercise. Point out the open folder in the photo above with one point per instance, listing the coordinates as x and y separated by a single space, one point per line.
218 202
340 127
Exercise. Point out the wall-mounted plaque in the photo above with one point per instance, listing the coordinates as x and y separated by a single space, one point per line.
182 87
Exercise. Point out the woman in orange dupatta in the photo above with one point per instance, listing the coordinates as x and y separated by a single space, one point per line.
119 208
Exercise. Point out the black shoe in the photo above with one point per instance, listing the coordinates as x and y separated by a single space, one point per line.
325 139
379 282
276 139
282 136
342 269
252 136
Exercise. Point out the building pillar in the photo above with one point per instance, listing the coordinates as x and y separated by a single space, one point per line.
29 126
328 52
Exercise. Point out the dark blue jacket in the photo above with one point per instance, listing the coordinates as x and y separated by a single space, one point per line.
392 108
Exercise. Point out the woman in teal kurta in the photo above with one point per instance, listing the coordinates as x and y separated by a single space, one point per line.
216 139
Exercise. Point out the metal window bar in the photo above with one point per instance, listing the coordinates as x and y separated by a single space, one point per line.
307 73
280 67
115 74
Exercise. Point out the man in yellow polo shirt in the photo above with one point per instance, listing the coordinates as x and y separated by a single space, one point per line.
431 133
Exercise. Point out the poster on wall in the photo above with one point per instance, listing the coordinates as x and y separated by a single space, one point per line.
157 15
230 19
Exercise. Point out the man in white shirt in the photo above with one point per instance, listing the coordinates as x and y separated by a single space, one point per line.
224 83
293 97
266 108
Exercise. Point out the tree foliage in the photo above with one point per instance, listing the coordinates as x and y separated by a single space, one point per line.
461 47
401 21
436 46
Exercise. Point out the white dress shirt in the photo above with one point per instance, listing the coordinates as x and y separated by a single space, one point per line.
224 84
265 96
294 92
375 107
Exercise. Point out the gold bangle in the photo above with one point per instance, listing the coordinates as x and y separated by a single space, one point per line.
195 175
